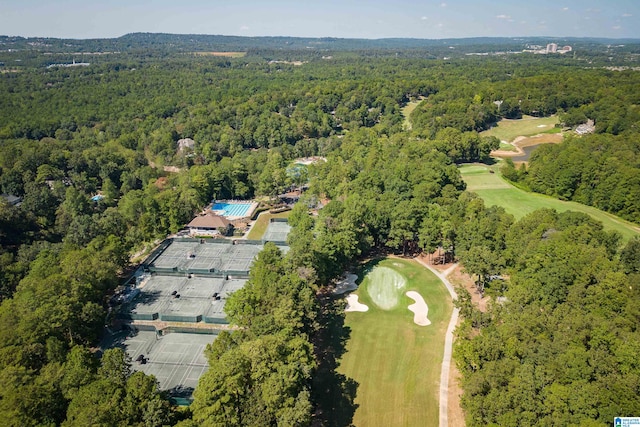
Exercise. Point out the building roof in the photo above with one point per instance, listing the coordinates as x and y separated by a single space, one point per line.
13 200
185 143
209 220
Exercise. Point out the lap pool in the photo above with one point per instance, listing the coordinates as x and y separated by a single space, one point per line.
232 209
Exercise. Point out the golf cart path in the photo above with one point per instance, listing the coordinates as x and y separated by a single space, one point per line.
448 343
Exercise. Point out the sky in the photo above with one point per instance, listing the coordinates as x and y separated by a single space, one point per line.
370 19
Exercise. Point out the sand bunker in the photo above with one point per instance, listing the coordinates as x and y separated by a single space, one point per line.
354 305
419 308
384 285
346 284
527 141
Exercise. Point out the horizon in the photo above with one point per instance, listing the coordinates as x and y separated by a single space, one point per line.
514 38
345 19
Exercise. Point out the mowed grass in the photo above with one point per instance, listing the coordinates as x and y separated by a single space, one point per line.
496 191
260 227
506 147
406 112
509 129
222 54
396 362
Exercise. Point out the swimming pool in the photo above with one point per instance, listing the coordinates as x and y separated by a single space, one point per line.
232 209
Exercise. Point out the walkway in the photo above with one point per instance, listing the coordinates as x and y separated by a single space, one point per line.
448 343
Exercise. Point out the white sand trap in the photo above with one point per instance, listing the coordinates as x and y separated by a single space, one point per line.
384 286
419 308
346 284
354 305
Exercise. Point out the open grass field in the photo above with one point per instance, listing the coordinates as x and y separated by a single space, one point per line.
396 362
496 191
259 228
406 112
509 129
222 54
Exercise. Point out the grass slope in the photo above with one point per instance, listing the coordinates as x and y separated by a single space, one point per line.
507 147
496 191
396 362
509 129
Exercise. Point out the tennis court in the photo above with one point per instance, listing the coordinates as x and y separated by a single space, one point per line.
277 231
177 360
240 257
189 255
215 312
182 299
210 257
190 281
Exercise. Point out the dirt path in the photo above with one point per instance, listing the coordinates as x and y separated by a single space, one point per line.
172 169
448 343
458 278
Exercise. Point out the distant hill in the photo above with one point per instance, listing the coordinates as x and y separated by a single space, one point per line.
197 42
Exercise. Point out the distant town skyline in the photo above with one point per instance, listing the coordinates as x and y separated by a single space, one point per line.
371 19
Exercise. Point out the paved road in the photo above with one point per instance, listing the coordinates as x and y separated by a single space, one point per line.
448 344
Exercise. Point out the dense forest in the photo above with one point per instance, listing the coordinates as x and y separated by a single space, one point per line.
562 348
69 133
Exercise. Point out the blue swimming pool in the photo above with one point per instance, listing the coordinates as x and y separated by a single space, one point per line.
232 209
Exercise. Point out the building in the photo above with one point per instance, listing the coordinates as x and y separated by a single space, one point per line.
586 128
552 48
13 200
207 224
186 144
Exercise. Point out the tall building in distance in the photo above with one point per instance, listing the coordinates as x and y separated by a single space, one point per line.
552 48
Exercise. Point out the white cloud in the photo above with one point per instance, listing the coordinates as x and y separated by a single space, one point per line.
565 8
244 28
443 5
617 27
626 15
503 17
424 18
